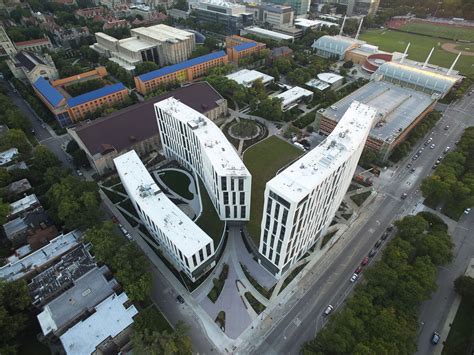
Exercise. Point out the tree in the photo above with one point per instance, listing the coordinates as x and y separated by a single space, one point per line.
464 285
283 65
16 138
4 211
167 343
145 67
44 159
5 177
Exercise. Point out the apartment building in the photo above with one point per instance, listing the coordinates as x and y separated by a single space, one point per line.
160 44
35 45
241 47
185 71
198 144
189 248
232 16
302 200
300 7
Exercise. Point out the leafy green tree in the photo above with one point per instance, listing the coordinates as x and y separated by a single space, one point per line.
145 67
4 211
163 343
43 159
464 285
5 177
16 138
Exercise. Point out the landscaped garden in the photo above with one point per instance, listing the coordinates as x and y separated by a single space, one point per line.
244 129
263 160
178 182
256 305
209 220
262 290
218 284
359 199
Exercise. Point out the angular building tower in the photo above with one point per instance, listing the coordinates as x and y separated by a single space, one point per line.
198 144
302 200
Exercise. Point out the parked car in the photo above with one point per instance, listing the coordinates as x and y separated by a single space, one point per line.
354 277
79 173
385 236
467 210
365 261
372 252
412 170
408 165
328 310
358 270
180 299
446 127
390 228
379 243
447 149
404 196
432 146
435 338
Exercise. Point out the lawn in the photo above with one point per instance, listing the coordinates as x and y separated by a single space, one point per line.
178 182
256 305
359 199
462 330
420 47
151 318
209 220
454 33
263 160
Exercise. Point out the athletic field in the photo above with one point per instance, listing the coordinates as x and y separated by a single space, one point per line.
439 30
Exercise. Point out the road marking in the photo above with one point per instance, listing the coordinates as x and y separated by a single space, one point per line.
297 321
371 230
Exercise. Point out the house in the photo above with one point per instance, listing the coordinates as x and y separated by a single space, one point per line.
30 66
20 207
18 187
7 156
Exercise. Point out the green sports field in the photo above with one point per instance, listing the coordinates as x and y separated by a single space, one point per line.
263 160
454 33
420 47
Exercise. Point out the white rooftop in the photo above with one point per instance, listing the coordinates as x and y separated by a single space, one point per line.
105 36
185 234
292 95
317 84
135 44
110 319
306 23
215 145
53 249
23 204
247 77
7 156
269 33
163 33
329 78
301 177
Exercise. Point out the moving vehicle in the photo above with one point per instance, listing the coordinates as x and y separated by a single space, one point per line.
354 277
404 196
180 299
328 310
78 172
435 338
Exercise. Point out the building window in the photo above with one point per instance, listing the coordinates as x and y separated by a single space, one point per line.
194 260
201 255
226 198
208 249
227 212
243 211
224 183
242 198
241 184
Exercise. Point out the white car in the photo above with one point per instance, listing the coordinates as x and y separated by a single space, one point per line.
432 146
328 310
78 172
467 210
354 277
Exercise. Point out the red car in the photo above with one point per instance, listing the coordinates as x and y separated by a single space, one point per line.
358 270
365 261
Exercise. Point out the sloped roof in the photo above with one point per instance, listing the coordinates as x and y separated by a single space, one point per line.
95 94
49 92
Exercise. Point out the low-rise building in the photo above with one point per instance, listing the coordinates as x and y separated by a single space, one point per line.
21 206
30 66
306 24
18 187
185 71
241 47
264 33
198 144
272 14
35 45
186 245
248 77
105 330
8 156
135 127
335 46
6 45
280 52
232 16
90 12
399 110
292 97
34 262
333 80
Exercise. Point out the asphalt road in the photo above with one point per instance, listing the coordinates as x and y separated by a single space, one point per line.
303 321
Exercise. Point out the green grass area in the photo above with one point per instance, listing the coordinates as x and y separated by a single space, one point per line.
221 319
244 128
151 318
209 220
454 33
420 47
462 330
263 160
327 237
256 305
218 284
262 290
360 198
128 206
291 276
178 182
114 197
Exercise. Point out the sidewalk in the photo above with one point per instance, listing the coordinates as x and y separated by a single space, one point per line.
447 324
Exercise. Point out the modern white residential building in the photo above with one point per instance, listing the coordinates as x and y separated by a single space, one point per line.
160 44
293 96
198 144
247 77
302 200
186 245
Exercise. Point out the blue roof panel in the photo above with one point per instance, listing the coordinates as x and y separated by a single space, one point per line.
49 92
244 46
95 94
180 66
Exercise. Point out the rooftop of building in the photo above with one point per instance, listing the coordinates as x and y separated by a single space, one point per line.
317 84
306 23
135 44
56 247
397 107
180 66
337 43
136 123
18 166
215 145
49 92
330 78
28 60
31 220
244 46
277 8
109 319
95 94
163 33
247 77
185 234
304 175
23 204
221 3
87 292
106 36
7 155
61 275
19 186
31 42
293 94
269 33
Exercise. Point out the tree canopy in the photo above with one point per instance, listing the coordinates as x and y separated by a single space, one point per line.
153 342
380 318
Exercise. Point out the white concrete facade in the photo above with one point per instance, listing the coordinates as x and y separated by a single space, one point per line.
198 144
248 77
186 245
302 200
